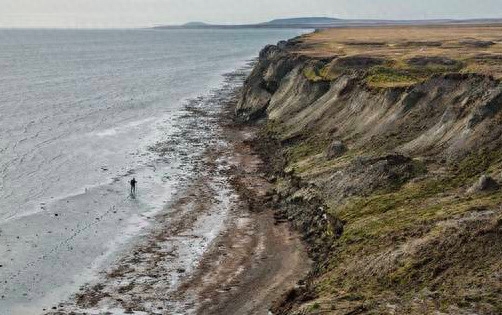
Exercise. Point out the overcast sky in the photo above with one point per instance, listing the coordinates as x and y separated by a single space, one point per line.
144 13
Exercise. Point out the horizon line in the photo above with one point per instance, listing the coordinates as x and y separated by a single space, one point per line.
229 24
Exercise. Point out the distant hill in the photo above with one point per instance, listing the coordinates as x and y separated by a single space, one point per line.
304 21
326 22
196 24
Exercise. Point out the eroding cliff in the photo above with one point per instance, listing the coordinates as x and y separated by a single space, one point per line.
379 178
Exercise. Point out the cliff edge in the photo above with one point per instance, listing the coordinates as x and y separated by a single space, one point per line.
384 148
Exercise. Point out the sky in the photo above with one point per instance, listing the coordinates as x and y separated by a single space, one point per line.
146 13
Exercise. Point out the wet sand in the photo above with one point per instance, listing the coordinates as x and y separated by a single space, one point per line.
255 261
217 250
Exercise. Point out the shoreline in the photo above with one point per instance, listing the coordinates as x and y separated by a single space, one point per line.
298 155
113 135
131 229
248 252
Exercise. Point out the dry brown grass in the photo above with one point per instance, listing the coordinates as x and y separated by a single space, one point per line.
416 239
478 48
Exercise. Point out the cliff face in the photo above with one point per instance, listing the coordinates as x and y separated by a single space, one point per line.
385 182
449 114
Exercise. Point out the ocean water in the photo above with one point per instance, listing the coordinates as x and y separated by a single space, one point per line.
79 114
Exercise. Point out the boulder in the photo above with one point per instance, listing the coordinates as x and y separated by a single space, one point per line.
477 43
484 183
336 149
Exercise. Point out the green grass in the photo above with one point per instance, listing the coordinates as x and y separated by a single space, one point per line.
329 73
387 219
475 164
312 74
311 146
420 202
382 76
382 222
397 73
394 73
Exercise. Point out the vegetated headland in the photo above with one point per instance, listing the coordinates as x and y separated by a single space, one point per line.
384 148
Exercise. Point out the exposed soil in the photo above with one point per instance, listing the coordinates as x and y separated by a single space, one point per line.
257 260
245 261
395 188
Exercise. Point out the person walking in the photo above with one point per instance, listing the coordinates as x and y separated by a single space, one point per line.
133 186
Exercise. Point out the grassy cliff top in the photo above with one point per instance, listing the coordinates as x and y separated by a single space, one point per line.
404 55
409 179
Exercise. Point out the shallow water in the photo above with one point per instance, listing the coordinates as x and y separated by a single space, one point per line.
79 113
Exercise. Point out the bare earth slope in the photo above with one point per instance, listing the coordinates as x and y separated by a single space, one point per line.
217 249
384 146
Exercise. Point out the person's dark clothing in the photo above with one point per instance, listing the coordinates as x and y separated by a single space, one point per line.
133 186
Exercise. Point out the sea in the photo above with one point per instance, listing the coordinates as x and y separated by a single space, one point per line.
81 113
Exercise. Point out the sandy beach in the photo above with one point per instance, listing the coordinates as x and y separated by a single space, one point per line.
218 250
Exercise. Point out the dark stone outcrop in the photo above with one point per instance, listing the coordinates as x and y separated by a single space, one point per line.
484 183
335 149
